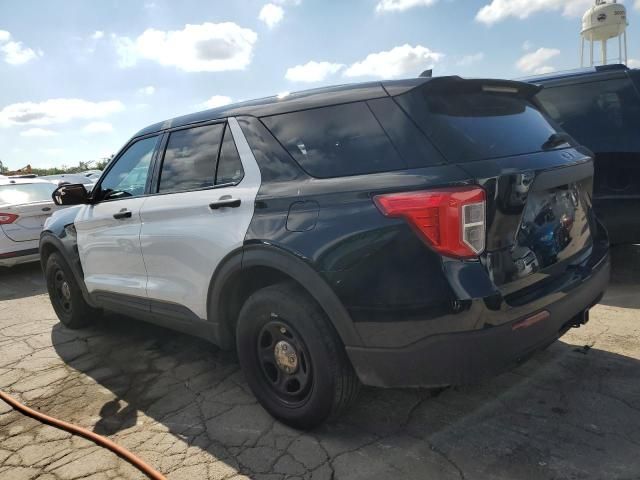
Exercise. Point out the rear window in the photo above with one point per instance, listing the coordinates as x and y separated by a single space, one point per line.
477 125
25 193
604 115
336 141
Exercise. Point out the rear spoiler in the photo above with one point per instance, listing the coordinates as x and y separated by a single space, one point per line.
455 84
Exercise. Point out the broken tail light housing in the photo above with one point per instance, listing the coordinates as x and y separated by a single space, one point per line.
451 220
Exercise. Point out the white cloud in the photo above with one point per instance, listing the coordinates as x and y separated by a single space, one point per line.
208 47
398 61
271 14
527 45
401 5
534 62
636 5
632 62
58 110
37 132
98 127
97 35
15 53
217 101
499 10
470 59
148 90
312 71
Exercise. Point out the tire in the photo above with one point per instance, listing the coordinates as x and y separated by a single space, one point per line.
323 383
65 295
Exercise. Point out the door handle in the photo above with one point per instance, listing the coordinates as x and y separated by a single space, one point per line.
122 214
225 202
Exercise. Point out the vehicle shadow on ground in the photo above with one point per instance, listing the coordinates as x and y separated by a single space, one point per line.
570 409
21 281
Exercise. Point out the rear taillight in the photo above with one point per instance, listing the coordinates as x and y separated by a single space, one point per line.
6 218
451 220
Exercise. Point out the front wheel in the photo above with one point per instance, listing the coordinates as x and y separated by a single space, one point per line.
66 296
292 357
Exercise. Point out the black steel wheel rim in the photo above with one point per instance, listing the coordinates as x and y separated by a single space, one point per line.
285 362
62 290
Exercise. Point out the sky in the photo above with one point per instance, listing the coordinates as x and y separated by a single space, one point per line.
78 78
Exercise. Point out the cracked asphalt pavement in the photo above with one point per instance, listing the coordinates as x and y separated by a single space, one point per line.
571 412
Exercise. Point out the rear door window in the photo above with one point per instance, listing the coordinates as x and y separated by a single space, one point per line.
190 159
229 169
336 141
603 115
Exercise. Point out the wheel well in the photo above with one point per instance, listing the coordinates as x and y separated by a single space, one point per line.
236 292
45 250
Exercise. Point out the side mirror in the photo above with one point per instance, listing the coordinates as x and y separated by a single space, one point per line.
70 194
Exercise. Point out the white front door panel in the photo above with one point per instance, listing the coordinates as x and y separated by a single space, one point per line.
109 248
183 240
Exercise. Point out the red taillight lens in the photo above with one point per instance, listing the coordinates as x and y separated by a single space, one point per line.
6 218
451 220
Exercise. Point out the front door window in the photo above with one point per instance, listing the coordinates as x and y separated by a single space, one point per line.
128 177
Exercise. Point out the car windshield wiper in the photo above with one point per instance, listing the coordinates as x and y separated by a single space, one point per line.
556 140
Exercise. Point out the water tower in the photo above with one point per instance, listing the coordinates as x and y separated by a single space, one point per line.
604 21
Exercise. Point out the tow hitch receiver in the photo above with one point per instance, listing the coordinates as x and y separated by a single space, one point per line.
581 319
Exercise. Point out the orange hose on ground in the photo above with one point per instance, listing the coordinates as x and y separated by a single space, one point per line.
83 432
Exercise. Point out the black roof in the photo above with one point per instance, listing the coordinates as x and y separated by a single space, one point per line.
600 70
335 95
318 97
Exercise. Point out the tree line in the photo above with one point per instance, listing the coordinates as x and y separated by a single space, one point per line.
80 167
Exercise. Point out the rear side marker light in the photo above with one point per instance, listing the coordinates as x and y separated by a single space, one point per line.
450 220
7 218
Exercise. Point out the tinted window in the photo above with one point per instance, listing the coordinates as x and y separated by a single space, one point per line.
604 116
410 142
129 174
336 141
470 126
276 165
190 159
26 193
229 165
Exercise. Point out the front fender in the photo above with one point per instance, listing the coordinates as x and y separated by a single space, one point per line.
59 235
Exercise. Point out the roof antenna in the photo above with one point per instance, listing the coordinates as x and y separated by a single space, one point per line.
427 73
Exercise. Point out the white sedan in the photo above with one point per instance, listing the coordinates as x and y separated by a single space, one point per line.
25 203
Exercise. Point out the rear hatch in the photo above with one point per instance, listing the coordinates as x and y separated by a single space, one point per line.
23 209
538 182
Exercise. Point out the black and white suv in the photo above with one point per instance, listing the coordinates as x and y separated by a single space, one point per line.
420 232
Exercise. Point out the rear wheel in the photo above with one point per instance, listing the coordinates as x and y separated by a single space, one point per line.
292 357
66 296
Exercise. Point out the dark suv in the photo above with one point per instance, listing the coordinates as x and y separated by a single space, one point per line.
421 232
600 108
